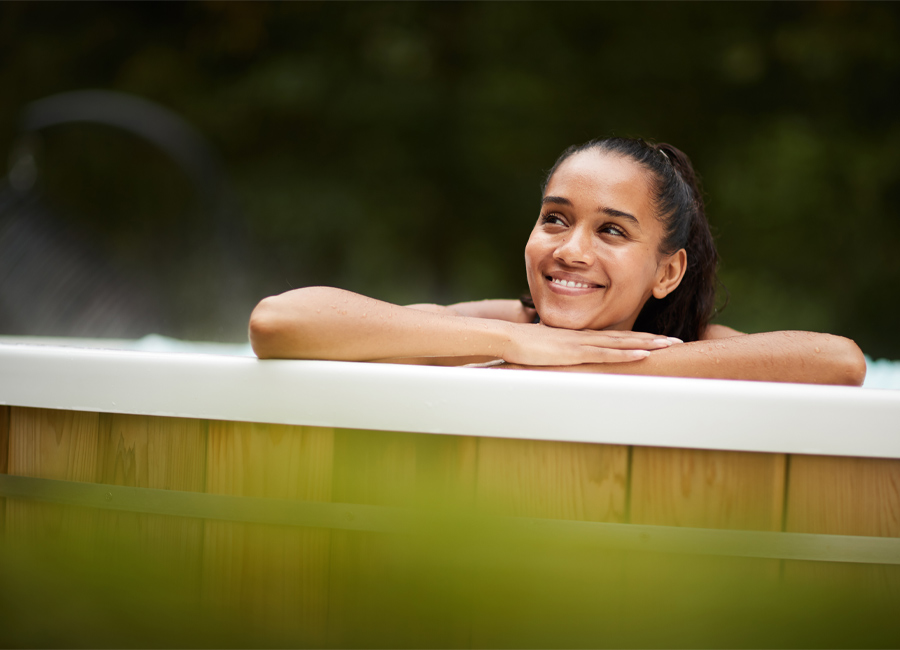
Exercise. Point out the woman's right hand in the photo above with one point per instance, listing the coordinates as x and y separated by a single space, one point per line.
540 345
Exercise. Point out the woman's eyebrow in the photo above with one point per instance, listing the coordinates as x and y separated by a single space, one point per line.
612 212
560 200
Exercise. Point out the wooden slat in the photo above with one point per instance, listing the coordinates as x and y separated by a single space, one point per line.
446 468
702 489
154 452
844 496
556 480
375 468
161 453
532 478
4 439
274 579
46 443
707 489
4 460
379 593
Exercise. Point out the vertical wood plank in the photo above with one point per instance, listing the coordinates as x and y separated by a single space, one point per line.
556 480
373 468
161 453
707 489
701 489
47 443
385 589
4 439
446 468
4 460
845 496
273 578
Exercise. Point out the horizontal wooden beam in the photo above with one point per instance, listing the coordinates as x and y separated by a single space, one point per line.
346 516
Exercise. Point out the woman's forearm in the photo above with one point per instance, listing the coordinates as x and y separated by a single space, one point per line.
328 323
800 357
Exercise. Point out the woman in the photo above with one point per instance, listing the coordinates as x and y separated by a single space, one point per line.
622 271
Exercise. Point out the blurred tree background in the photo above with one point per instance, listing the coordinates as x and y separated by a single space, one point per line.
397 149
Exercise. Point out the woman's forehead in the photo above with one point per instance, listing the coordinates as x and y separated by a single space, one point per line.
597 175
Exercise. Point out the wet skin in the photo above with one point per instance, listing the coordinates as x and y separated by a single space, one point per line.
598 229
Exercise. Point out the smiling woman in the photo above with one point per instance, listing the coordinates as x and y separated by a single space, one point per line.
599 229
622 271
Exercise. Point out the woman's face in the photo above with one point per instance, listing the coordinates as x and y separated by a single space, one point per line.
593 257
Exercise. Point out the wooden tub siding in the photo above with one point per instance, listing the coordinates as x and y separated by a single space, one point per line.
554 480
311 584
4 439
844 496
62 445
580 481
161 453
401 470
702 489
4 459
275 577
707 489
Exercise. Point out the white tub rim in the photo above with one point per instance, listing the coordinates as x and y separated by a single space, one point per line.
524 404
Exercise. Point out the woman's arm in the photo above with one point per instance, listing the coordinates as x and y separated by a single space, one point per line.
327 323
512 311
800 357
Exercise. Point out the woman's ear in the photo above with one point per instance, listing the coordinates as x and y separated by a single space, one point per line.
669 274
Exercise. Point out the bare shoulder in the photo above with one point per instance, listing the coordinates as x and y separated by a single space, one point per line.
719 332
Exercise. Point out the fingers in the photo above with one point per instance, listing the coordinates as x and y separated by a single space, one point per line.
627 334
624 342
600 355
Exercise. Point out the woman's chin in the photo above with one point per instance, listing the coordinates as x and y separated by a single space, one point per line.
566 321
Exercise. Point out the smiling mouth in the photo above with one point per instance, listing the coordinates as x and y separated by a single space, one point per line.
572 284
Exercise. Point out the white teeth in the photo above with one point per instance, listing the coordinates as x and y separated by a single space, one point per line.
570 283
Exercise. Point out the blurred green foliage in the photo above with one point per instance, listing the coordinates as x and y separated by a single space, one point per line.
398 149
428 589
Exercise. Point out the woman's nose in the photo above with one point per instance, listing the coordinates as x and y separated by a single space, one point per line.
576 249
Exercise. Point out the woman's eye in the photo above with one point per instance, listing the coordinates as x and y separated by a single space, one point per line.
552 219
612 230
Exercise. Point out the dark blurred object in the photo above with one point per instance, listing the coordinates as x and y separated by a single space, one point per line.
57 278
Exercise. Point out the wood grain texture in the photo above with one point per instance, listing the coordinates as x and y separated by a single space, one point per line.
707 489
844 496
4 460
556 480
385 589
4 439
160 453
273 578
446 468
46 443
61 445
374 468
153 452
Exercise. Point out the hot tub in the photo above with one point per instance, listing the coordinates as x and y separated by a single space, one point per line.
226 500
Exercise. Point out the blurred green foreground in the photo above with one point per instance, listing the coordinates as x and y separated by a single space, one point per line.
435 586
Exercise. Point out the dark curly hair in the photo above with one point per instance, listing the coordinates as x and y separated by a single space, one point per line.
686 311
